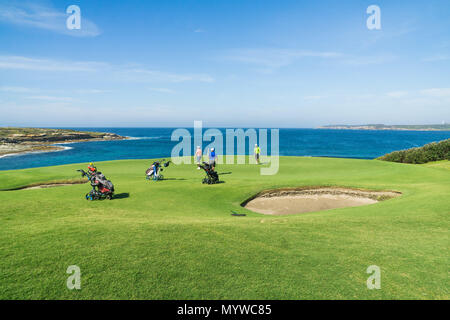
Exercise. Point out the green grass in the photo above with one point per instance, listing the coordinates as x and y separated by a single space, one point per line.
443 164
176 239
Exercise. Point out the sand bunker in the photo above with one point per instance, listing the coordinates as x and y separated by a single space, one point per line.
301 200
43 186
50 185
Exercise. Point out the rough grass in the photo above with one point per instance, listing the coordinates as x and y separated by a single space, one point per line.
176 239
444 164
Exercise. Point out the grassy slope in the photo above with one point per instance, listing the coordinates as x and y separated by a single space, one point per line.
443 164
176 239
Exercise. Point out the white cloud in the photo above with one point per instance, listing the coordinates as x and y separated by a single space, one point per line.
17 89
162 90
139 75
273 58
51 98
397 94
310 98
117 72
436 92
437 57
92 91
37 16
24 63
389 33
369 60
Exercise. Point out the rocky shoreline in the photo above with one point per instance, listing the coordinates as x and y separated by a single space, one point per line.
15 141
388 127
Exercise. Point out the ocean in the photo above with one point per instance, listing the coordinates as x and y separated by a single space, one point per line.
148 143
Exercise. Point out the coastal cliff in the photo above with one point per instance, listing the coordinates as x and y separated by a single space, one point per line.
24 140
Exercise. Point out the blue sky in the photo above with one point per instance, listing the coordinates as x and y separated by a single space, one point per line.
226 62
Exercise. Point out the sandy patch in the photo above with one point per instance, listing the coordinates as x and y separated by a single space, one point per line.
43 186
49 185
292 201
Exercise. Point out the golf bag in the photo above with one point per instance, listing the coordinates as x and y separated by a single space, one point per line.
154 172
212 176
102 188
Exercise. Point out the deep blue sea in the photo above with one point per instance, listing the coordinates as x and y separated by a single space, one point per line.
156 143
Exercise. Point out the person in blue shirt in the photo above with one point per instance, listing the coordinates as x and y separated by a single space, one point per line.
212 158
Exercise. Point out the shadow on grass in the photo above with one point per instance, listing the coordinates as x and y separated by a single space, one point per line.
121 196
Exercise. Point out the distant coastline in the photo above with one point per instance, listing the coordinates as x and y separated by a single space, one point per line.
18 141
433 127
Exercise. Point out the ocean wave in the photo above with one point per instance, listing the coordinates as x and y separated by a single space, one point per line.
144 138
65 148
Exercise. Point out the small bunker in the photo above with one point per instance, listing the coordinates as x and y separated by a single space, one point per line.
311 199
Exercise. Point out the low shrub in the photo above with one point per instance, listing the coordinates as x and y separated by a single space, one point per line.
434 151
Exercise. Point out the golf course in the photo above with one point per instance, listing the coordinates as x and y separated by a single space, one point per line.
177 238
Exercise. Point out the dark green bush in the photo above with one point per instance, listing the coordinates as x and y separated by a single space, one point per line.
429 152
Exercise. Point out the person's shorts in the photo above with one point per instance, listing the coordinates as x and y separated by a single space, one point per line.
199 159
257 156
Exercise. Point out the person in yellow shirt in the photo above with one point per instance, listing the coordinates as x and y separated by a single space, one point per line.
257 152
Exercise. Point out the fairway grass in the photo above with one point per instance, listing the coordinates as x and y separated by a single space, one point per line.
176 239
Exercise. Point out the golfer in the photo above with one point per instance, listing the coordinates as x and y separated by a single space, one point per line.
198 155
257 152
212 158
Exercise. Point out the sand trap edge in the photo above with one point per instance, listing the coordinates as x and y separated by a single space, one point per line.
376 195
45 185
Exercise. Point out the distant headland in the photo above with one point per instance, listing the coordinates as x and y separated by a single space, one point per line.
425 127
25 140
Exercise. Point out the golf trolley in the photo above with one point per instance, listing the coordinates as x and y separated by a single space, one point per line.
154 172
212 177
101 187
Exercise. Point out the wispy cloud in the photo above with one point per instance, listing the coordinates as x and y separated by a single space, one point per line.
32 15
397 94
368 60
389 33
25 63
162 90
141 74
436 92
437 57
51 98
269 60
312 98
272 59
135 73
18 89
92 91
